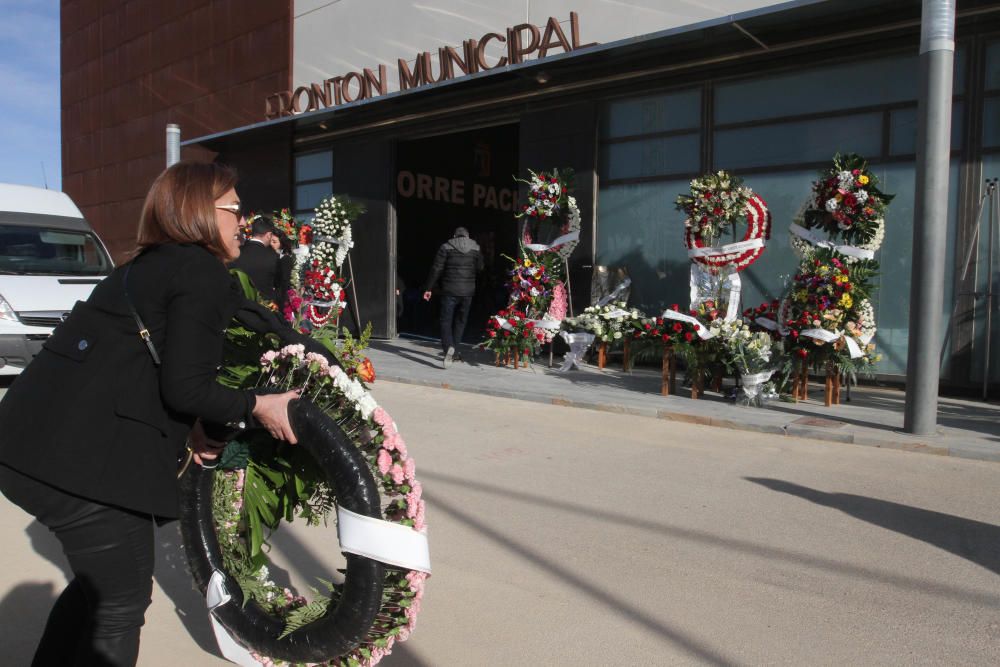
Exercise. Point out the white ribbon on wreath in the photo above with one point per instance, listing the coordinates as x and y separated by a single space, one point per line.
702 331
728 249
561 240
853 344
812 238
334 240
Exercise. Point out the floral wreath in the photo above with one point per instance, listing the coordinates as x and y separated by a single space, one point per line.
847 203
331 230
717 201
549 196
249 497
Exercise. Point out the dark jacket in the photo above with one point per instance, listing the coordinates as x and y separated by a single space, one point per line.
456 264
93 416
260 262
286 264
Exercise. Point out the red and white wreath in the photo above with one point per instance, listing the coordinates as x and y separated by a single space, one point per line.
717 201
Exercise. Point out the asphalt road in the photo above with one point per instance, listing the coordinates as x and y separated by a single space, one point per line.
562 536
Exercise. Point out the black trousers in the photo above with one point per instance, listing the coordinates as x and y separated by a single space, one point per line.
454 315
96 620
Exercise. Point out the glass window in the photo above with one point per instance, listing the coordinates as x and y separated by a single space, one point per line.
308 196
993 66
646 115
845 86
798 142
651 157
313 166
903 129
639 229
32 250
991 169
869 82
892 302
991 123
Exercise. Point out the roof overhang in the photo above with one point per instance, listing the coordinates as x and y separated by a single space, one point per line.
773 32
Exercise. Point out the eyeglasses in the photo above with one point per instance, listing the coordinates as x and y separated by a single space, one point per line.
235 209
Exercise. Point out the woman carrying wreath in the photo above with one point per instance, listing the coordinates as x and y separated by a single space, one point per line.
94 428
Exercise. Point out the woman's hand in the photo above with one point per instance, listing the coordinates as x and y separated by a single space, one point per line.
203 449
271 412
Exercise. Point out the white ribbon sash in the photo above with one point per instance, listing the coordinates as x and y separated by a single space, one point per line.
617 313
504 324
384 541
334 241
565 238
216 596
548 324
733 284
810 237
830 337
702 331
767 323
728 249
578 344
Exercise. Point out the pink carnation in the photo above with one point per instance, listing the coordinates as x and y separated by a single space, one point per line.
383 419
400 445
404 633
418 521
391 441
409 469
384 461
397 473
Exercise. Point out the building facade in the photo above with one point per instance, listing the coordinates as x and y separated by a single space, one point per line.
426 112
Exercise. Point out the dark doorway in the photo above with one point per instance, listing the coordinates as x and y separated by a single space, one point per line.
447 181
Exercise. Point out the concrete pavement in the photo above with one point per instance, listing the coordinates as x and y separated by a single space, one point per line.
873 417
562 536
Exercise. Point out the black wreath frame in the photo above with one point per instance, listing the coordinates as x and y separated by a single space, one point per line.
345 626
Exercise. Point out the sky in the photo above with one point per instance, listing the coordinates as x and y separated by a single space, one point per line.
29 92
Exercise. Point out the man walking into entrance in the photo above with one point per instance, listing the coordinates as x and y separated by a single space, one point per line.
456 264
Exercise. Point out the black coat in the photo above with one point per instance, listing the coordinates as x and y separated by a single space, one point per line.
93 416
456 264
260 262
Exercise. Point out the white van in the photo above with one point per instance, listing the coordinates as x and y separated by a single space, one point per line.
50 258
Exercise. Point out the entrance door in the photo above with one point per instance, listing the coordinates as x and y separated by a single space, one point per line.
466 180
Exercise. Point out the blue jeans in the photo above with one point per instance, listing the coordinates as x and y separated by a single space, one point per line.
454 315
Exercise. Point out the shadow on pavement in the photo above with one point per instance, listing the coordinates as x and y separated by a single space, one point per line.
924 586
23 613
974 541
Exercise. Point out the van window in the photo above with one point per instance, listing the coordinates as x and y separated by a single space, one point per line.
33 250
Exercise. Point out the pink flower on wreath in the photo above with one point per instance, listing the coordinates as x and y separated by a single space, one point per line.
410 469
413 610
413 499
400 445
404 633
268 357
384 421
416 581
391 441
384 461
397 474
418 521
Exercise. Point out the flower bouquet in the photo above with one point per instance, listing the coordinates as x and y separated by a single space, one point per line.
512 337
847 204
749 355
550 200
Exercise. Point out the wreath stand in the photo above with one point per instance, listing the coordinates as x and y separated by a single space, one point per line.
669 372
354 298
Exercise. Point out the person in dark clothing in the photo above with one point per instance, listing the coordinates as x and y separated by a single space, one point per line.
456 265
259 261
286 264
93 428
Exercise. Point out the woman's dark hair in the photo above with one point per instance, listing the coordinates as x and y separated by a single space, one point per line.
180 207
286 244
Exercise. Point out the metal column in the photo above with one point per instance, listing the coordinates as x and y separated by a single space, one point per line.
930 217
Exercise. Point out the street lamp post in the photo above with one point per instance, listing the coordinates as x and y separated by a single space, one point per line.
930 215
